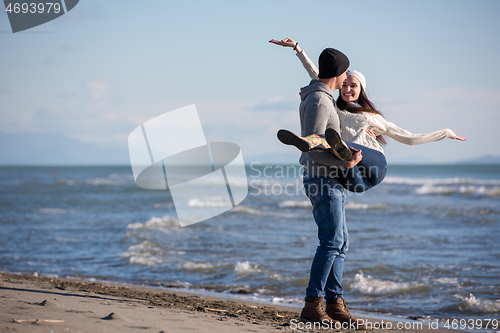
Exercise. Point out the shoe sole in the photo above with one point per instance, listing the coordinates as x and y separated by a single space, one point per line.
289 138
338 147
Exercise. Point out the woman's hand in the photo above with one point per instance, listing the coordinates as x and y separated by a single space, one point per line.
287 42
355 159
461 138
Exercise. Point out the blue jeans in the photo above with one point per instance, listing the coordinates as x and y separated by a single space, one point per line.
328 199
367 173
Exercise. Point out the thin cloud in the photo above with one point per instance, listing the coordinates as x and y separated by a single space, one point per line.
277 104
99 94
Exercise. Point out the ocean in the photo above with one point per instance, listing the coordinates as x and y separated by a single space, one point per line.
423 243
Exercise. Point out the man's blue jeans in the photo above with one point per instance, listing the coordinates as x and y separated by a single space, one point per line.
328 199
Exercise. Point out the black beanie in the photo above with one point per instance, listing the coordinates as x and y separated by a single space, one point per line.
332 63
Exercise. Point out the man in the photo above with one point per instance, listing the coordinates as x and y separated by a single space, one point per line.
317 113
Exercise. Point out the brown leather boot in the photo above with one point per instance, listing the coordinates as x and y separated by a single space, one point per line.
313 311
337 310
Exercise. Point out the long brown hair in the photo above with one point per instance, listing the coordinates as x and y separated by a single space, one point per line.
365 106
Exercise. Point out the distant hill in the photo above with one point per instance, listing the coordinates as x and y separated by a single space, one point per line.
485 159
410 160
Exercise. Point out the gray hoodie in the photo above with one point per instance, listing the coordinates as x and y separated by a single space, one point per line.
317 113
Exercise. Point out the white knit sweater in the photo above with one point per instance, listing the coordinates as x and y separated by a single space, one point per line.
353 125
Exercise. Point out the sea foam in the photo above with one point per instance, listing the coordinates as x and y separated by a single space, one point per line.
348 205
462 189
450 186
371 286
144 253
476 305
295 204
441 181
197 266
248 210
216 202
165 222
245 268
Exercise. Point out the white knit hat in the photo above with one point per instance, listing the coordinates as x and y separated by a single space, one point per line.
359 76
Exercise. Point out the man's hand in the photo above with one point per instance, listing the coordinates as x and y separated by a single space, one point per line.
371 133
355 159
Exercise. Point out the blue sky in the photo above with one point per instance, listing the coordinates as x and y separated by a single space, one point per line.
96 73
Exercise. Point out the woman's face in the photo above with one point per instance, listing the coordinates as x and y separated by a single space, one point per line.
351 88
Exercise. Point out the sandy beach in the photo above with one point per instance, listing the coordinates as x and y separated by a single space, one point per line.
45 304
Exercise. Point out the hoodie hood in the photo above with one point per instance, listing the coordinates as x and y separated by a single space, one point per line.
314 86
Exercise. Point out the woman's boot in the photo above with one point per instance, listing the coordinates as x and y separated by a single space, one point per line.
338 147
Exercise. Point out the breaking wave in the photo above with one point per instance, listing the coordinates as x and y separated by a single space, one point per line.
145 253
371 286
450 186
245 268
159 223
348 205
480 306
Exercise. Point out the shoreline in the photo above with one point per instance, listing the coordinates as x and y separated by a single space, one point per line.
32 303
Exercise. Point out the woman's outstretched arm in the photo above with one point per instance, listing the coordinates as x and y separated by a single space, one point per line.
393 131
304 59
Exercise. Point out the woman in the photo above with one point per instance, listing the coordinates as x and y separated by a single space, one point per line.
362 127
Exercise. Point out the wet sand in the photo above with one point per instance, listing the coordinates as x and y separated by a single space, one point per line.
44 304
